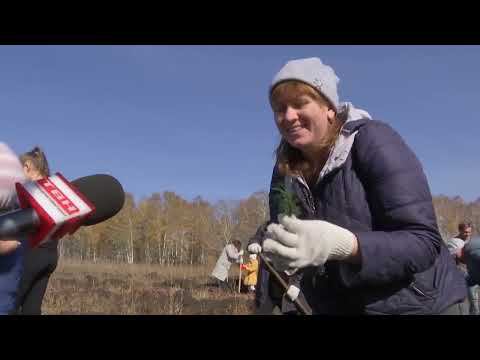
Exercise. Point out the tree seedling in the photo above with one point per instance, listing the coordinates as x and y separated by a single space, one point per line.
287 201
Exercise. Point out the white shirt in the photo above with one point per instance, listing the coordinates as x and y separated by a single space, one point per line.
454 245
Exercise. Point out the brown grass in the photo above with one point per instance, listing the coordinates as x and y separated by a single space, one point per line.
77 288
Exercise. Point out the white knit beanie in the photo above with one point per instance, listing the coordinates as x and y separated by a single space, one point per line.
312 72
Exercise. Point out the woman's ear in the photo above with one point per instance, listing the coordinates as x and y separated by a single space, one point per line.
26 166
331 114
27 170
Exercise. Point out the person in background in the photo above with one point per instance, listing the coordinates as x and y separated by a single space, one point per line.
267 292
231 253
456 247
471 257
40 262
11 250
251 270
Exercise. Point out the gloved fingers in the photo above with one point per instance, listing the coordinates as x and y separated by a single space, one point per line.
278 233
276 248
268 227
254 248
290 223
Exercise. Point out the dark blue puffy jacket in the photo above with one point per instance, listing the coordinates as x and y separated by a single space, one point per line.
380 193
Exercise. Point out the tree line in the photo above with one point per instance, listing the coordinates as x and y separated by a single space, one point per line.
166 229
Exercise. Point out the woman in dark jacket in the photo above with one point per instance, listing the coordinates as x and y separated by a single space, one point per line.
40 262
366 239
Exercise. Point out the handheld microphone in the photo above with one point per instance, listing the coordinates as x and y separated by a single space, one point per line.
105 193
53 207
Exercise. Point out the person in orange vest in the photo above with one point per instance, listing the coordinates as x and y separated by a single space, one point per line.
251 270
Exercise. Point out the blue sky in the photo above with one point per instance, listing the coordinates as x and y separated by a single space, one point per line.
196 120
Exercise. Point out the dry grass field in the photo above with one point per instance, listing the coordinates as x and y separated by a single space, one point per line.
111 289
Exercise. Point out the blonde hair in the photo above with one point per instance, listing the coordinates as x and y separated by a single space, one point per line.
290 160
38 159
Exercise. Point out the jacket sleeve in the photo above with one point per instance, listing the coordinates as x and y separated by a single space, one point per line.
11 171
405 239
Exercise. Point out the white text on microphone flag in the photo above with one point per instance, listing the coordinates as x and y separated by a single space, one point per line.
57 196
59 207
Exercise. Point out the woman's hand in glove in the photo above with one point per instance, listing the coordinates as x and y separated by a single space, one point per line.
254 248
301 243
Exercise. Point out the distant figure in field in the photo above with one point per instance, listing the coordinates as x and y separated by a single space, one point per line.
231 253
40 262
457 246
251 270
471 257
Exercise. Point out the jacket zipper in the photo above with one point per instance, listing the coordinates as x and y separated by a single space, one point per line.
309 195
418 291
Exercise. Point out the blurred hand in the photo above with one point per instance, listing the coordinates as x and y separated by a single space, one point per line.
8 246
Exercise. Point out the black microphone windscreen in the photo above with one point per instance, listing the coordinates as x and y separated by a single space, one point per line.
105 192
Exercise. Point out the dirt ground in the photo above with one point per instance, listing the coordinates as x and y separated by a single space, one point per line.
109 289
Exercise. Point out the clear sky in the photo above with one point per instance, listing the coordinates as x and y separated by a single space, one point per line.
196 119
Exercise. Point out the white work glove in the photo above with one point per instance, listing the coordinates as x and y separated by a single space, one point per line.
301 243
254 248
